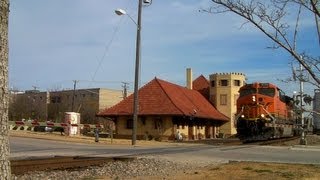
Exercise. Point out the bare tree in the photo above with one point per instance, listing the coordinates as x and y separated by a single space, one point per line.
5 171
273 19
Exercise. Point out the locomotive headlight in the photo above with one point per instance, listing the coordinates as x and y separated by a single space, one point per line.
242 116
262 115
253 98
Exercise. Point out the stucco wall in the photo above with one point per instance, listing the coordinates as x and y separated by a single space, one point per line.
231 91
146 126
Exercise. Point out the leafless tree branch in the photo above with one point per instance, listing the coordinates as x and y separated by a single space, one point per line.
270 18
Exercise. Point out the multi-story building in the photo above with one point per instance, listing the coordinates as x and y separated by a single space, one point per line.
31 104
52 105
224 93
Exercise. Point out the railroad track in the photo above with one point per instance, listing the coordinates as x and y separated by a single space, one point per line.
61 162
273 141
231 141
234 141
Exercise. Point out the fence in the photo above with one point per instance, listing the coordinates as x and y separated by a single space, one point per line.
30 125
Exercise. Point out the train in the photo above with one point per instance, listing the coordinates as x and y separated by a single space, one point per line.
264 112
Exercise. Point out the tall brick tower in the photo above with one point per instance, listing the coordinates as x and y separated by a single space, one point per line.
224 92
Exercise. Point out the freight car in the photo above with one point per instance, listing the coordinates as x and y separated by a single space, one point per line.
264 112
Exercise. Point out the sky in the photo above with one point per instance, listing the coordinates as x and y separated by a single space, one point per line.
54 43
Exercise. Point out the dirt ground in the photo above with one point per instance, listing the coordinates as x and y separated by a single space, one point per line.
248 171
232 170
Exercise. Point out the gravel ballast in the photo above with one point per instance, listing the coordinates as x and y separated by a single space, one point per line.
140 167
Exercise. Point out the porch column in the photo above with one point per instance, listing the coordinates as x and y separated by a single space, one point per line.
174 131
211 132
214 131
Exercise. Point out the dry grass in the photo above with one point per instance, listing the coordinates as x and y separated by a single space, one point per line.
248 171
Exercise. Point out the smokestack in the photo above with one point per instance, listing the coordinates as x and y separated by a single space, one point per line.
189 78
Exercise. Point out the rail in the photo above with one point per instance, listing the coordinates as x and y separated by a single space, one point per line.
61 162
273 141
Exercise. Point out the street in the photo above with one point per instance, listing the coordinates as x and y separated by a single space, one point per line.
32 147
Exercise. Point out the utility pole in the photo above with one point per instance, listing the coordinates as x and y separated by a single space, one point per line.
74 93
303 140
136 78
35 88
137 65
125 89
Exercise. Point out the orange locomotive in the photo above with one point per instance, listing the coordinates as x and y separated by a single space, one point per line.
264 112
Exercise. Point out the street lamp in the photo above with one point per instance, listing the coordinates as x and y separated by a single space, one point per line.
137 66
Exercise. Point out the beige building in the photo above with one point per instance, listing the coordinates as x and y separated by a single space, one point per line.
224 93
52 105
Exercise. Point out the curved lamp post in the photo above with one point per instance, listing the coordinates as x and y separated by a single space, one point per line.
137 66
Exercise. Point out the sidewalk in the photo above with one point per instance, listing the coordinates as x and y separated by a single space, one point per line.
306 147
86 139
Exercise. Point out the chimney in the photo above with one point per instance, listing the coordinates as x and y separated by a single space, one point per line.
189 78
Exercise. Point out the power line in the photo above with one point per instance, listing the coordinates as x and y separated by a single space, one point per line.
107 47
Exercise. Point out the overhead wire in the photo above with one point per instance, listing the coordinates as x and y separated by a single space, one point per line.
107 47
106 50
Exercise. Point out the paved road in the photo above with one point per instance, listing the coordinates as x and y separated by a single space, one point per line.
29 147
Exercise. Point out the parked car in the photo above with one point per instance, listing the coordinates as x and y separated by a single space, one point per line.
43 129
48 129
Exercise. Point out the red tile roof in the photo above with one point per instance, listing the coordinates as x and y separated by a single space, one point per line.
202 85
160 97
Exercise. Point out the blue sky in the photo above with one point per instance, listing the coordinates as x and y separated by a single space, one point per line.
53 43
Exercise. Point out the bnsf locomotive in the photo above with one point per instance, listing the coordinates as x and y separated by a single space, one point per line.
264 112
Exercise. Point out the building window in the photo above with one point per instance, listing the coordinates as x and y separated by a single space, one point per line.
223 99
143 120
213 83
223 82
237 83
55 99
157 123
129 123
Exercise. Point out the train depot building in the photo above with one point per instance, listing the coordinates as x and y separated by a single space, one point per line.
166 109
